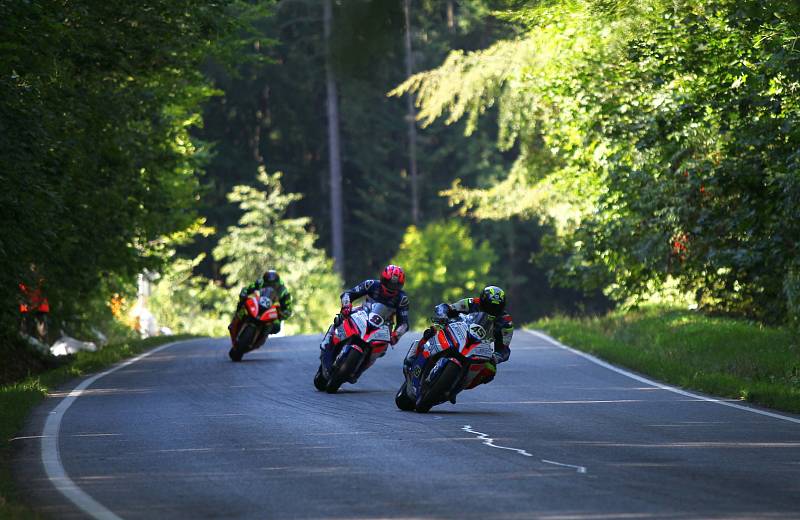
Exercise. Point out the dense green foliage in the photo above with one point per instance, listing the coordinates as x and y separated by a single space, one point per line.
659 138
96 160
185 302
720 356
444 264
272 114
266 238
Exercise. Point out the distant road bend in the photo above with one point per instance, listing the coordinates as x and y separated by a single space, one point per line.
185 433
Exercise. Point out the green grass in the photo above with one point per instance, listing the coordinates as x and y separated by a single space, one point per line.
18 399
720 356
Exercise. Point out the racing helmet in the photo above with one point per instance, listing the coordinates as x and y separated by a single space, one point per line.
392 279
271 278
492 300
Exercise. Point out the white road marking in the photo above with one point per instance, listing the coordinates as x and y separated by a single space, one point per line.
579 469
662 386
51 457
490 442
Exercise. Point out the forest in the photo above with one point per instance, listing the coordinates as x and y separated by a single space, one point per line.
583 154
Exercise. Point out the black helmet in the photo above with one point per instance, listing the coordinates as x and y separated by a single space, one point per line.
493 300
271 278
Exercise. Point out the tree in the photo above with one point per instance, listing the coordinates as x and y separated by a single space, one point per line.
188 303
442 263
96 102
264 238
659 138
334 160
366 57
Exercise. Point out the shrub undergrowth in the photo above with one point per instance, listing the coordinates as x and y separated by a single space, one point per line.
726 357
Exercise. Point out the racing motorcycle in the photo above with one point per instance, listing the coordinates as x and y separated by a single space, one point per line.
356 341
447 362
261 309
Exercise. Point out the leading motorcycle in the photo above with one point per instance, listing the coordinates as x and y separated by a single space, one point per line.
357 340
447 362
260 310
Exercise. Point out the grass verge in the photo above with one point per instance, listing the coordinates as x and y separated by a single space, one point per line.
720 356
18 399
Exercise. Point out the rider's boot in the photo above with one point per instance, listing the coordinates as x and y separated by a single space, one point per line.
354 378
455 392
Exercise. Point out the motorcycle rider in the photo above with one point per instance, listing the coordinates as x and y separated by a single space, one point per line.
387 290
492 301
269 279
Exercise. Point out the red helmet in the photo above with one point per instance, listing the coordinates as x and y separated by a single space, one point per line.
392 279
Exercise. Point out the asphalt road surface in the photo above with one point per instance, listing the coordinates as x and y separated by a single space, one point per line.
185 433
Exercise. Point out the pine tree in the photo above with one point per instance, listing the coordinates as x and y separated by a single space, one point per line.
266 239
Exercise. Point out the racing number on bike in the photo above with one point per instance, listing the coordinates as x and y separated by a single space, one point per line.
477 331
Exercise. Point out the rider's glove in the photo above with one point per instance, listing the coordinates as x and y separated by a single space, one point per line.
346 309
452 312
394 339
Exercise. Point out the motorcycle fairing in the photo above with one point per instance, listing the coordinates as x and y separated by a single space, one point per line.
359 330
443 348
260 307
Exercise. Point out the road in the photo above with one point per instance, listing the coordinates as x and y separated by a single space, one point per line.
185 433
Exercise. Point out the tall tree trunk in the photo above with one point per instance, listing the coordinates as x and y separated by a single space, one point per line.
451 18
334 159
262 115
412 120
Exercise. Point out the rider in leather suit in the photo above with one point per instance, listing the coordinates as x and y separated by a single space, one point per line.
386 290
492 301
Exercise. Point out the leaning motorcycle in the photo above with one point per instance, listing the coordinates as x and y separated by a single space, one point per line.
356 341
260 310
447 362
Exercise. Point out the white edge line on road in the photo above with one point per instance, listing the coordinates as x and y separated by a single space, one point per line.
51 456
662 386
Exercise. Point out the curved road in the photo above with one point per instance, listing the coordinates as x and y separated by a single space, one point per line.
185 433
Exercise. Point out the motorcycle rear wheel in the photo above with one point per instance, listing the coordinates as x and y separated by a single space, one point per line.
435 394
341 373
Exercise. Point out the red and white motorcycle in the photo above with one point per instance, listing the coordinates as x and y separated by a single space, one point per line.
357 340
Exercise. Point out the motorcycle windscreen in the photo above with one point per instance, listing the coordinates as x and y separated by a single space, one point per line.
380 314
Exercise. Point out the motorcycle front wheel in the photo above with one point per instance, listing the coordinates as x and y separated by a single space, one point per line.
341 373
244 341
435 393
402 400
319 380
